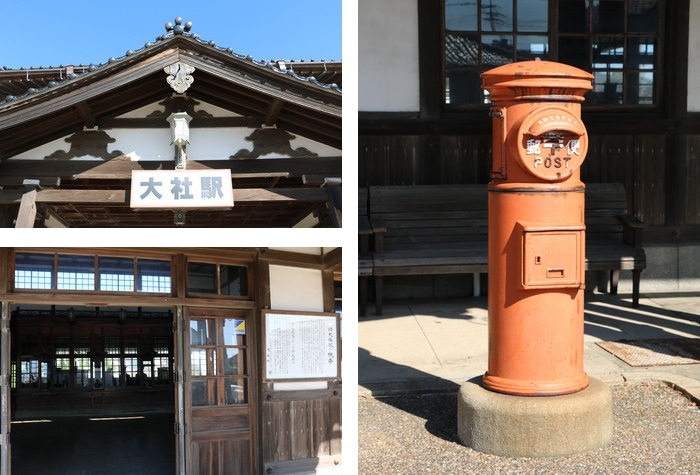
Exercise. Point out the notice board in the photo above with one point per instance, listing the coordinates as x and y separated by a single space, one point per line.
300 345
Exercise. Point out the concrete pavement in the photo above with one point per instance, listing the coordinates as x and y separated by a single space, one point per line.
426 346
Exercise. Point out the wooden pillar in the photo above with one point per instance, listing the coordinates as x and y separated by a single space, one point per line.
5 390
335 201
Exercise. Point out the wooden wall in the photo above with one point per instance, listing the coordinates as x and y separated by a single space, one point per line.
661 171
301 430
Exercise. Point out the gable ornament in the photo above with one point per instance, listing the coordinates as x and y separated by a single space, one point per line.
179 76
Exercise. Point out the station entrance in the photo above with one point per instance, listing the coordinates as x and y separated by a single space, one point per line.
85 380
136 360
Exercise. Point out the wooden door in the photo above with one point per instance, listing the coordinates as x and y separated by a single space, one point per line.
218 393
5 390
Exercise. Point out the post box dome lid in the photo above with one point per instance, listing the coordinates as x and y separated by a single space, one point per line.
534 79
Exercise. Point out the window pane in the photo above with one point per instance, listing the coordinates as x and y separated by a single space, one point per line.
154 276
497 50
200 333
640 88
116 274
83 373
461 15
642 16
61 372
76 273
234 332
161 368
112 371
234 364
203 392
236 391
573 16
607 87
201 277
609 16
461 50
532 15
234 280
641 53
531 47
463 87
574 52
497 15
608 53
33 271
131 370
198 362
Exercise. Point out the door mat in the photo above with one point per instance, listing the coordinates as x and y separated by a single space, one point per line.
672 351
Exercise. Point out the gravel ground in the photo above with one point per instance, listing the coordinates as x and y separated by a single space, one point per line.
656 431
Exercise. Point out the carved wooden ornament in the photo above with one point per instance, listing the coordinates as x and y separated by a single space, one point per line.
179 76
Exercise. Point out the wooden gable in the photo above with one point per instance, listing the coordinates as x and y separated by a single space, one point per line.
276 183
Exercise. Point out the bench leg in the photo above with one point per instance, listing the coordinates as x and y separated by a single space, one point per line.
364 284
636 275
378 293
614 280
477 284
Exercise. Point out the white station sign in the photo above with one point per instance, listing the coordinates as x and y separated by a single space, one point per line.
181 189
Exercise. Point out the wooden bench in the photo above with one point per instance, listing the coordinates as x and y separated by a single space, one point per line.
443 229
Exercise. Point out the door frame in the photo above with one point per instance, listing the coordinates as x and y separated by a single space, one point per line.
190 311
5 376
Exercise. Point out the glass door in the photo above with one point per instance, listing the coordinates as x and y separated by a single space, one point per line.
218 392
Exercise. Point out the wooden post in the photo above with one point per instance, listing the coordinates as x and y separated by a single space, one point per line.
27 210
179 389
5 390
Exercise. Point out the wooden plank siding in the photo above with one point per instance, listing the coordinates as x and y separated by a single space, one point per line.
661 181
301 429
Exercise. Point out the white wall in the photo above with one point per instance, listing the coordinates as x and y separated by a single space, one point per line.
294 288
694 57
388 56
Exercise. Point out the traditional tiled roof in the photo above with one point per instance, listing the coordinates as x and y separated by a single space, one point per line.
20 83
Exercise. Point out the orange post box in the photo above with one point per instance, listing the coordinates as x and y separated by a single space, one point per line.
536 229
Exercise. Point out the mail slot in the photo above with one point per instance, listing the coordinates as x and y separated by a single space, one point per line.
536 229
552 257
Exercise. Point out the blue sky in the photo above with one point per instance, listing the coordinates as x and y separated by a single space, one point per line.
54 32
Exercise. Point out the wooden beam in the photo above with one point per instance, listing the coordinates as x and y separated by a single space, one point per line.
198 122
13 172
27 210
122 196
104 300
86 114
274 112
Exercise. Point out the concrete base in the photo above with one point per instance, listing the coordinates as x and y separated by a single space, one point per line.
550 426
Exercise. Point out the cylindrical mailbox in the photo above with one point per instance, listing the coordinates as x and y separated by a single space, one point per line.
536 229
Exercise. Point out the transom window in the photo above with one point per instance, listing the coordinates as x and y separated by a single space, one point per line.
616 40
89 273
217 279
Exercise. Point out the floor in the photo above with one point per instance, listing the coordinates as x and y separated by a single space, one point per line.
81 445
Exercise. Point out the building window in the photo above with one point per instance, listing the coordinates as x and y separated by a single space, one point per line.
34 271
616 40
217 279
89 273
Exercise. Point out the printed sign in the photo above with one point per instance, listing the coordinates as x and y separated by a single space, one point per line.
301 346
181 189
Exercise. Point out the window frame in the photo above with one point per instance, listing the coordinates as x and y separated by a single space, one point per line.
96 273
554 35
